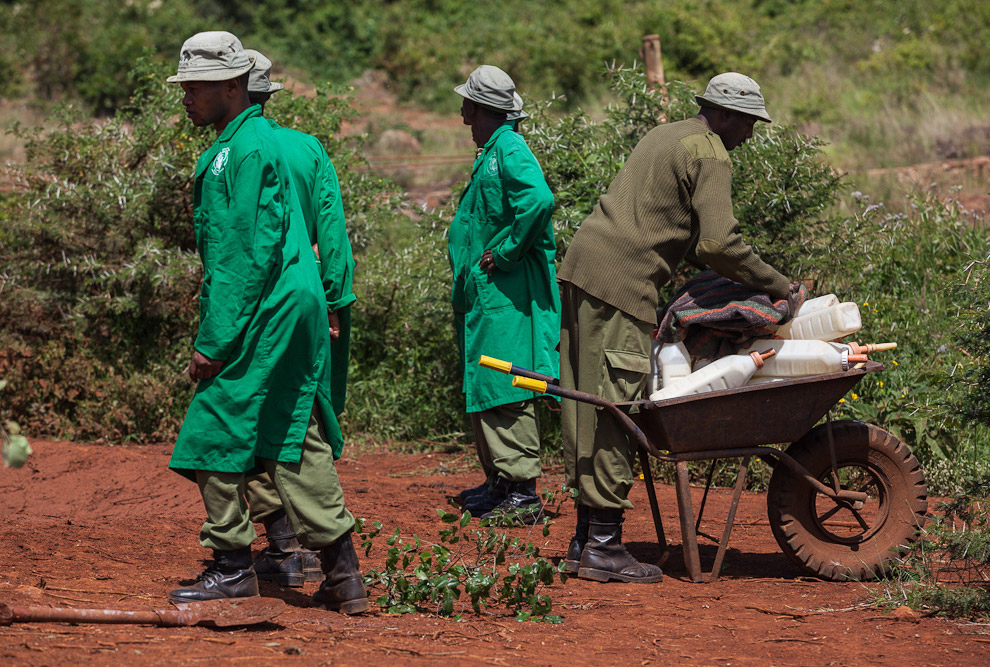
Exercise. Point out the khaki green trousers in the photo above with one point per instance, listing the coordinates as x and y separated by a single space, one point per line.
308 490
507 438
603 351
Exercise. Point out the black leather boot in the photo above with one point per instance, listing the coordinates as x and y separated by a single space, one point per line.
522 500
466 494
284 560
343 589
488 499
605 557
229 576
573 559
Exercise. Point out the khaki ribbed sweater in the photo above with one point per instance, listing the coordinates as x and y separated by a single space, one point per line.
671 198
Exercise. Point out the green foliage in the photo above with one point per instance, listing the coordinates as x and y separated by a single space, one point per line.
946 572
903 276
973 338
486 564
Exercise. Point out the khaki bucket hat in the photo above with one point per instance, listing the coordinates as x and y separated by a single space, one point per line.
259 82
490 87
735 92
211 56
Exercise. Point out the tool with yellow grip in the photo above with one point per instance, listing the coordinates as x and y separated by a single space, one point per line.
511 369
537 386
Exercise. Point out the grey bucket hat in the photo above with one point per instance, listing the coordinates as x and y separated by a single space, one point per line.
735 92
211 56
260 83
490 87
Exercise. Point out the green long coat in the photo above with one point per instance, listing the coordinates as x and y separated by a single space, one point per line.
514 314
262 310
315 183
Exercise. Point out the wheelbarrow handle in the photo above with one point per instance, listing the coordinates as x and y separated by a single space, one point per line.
511 369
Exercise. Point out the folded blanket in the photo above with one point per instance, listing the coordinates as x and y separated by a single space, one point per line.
715 316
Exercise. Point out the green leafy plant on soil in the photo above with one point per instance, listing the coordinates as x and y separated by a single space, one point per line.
486 564
947 572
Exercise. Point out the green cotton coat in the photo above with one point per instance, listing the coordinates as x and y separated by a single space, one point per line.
514 314
262 310
315 182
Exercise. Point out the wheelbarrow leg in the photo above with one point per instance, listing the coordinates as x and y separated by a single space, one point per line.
651 491
689 537
724 542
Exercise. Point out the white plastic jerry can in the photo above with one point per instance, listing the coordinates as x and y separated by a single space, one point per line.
811 305
731 371
669 362
799 358
826 323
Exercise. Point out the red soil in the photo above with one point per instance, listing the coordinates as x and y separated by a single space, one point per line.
95 526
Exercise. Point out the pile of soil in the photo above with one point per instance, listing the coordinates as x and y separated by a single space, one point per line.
96 526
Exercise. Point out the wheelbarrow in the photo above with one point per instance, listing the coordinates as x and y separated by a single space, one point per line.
844 496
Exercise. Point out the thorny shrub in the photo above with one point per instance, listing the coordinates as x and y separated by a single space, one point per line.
948 570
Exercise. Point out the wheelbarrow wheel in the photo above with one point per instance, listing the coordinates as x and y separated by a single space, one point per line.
841 540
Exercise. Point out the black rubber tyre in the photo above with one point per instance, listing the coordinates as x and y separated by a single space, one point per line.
845 541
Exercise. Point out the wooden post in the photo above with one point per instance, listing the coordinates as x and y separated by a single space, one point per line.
650 53
653 61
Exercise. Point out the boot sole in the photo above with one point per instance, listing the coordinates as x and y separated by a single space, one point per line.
181 600
294 580
605 576
350 607
570 566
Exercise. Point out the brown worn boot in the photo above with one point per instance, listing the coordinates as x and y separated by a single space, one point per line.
605 557
572 562
229 576
343 590
285 561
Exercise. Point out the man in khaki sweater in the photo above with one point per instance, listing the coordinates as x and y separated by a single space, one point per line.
671 201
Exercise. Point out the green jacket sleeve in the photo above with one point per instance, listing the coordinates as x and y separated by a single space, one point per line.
531 203
720 245
244 256
336 258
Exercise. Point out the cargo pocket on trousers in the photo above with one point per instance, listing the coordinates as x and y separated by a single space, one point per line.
626 375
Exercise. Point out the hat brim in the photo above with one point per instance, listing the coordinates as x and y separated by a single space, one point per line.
759 115
462 90
223 74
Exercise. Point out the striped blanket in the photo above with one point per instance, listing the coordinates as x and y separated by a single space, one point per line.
715 316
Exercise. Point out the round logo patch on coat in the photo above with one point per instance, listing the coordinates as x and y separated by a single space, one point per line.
493 165
220 161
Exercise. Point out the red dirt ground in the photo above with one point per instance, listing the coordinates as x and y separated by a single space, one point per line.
95 526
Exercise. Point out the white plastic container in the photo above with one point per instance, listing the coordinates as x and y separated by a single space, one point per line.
811 305
826 323
668 362
675 363
799 358
728 372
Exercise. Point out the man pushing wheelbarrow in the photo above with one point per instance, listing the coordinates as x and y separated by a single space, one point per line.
670 202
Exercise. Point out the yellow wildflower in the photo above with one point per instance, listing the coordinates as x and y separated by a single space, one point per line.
842 400
854 396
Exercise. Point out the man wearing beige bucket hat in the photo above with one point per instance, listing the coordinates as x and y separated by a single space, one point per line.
284 560
261 355
504 294
670 202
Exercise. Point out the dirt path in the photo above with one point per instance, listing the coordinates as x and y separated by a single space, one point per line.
90 526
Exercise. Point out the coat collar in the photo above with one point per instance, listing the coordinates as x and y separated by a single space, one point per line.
507 126
228 133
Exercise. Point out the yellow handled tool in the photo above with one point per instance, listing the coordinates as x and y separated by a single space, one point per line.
538 386
511 369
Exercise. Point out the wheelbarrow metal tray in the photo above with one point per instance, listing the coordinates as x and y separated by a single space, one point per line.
770 413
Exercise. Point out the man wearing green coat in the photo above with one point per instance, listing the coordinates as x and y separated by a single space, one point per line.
504 294
261 356
315 184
